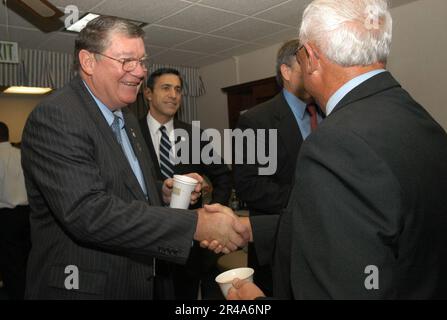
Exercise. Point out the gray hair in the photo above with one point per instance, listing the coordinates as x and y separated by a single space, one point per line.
349 32
95 37
286 55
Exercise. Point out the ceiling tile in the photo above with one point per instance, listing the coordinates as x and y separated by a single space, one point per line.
200 19
83 5
278 37
205 61
60 42
30 39
176 57
247 7
153 51
166 37
245 48
208 44
249 29
13 19
148 11
288 13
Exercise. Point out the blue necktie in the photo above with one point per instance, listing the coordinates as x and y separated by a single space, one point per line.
117 129
166 166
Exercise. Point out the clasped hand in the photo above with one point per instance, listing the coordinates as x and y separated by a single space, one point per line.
220 230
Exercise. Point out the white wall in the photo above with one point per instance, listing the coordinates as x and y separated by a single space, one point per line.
417 61
14 110
212 107
419 51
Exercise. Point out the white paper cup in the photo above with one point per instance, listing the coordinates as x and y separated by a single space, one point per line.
181 191
226 278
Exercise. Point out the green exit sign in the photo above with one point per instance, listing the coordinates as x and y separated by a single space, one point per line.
9 52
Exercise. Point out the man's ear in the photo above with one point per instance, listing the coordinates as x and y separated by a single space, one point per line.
87 61
285 71
148 94
313 58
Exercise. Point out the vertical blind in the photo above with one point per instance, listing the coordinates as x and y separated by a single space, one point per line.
38 68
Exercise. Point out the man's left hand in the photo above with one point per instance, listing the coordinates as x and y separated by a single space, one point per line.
244 290
195 195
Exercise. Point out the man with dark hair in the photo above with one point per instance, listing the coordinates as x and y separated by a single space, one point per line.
291 112
98 220
164 93
14 218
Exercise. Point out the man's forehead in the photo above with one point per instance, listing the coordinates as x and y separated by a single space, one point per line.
168 79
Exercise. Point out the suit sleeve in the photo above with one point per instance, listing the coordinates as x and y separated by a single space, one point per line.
347 209
220 177
264 235
60 159
262 193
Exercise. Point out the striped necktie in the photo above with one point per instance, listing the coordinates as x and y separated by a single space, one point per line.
166 165
117 129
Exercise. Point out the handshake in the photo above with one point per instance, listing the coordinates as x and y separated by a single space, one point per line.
218 228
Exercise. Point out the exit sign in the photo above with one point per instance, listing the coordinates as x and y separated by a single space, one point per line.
9 52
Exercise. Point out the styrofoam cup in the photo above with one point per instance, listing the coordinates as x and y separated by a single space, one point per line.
181 191
225 279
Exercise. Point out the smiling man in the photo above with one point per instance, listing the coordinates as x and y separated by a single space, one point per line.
98 222
164 95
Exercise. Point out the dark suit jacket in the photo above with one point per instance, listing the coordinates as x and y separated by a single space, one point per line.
200 260
266 196
370 191
88 209
219 174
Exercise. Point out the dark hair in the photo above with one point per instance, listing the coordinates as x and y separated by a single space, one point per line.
285 55
96 34
158 73
4 132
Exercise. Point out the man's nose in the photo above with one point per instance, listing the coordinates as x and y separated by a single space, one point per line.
140 71
173 93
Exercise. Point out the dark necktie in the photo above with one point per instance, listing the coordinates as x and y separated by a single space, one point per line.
312 109
166 166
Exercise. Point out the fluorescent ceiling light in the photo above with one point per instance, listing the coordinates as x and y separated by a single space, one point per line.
81 23
27 90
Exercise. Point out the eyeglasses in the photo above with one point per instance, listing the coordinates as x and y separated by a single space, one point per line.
129 64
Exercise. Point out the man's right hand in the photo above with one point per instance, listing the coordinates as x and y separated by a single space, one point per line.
218 224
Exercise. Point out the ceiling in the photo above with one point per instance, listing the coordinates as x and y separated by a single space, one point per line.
178 32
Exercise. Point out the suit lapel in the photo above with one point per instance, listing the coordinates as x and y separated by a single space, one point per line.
286 122
118 154
150 146
380 82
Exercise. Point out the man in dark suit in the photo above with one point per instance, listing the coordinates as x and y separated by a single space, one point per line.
267 195
163 93
367 216
98 220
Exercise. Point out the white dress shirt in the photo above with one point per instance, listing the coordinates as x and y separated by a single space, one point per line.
12 182
154 129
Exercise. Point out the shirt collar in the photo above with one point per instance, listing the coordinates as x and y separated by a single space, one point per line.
107 113
348 87
154 125
295 103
